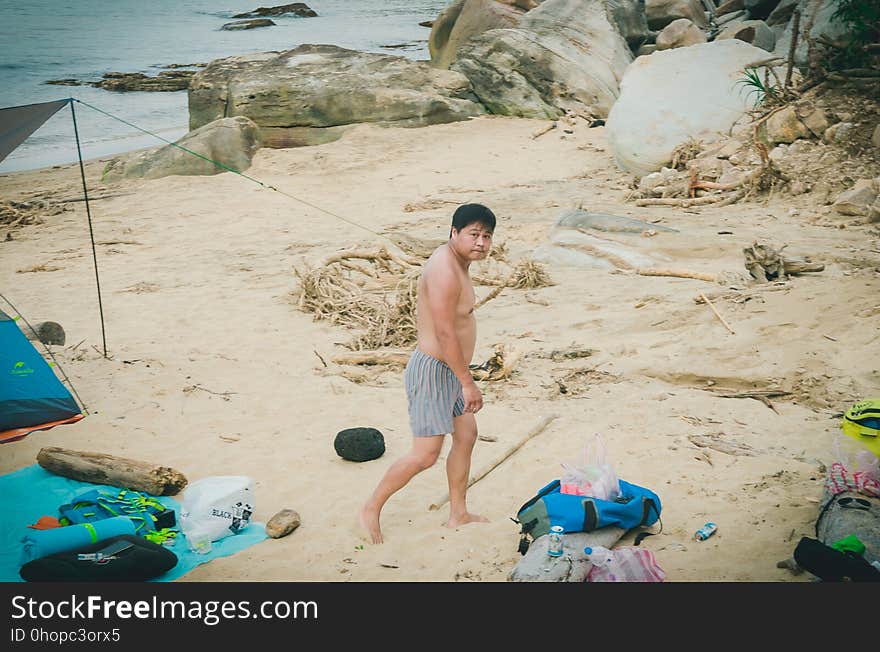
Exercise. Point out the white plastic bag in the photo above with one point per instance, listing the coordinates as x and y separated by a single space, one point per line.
628 564
214 508
595 476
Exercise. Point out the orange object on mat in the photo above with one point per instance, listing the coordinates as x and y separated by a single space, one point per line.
45 523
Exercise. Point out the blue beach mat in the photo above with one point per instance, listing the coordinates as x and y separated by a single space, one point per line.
32 492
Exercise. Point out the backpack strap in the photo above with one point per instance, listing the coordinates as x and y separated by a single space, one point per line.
642 535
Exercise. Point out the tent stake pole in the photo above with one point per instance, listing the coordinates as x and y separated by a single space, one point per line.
82 173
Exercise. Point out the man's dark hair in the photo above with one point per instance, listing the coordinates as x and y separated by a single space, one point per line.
468 214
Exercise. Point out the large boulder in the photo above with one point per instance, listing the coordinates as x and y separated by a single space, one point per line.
631 21
756 32
231 142
673 95
680 33
313 93
566 55
660 13
464 19
760 9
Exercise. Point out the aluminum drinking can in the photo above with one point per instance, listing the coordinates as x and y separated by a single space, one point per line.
705 532
554 541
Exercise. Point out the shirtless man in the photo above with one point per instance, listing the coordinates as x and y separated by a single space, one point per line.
441 393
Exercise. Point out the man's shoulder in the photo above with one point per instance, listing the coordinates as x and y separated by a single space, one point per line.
440 257
440 266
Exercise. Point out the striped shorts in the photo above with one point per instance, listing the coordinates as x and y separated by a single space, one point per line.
433 394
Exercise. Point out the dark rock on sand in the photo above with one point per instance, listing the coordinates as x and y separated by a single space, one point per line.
359 444
47 332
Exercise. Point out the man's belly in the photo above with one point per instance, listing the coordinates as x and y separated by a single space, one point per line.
428 343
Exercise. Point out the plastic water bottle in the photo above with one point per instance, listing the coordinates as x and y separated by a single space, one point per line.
605 564
599 555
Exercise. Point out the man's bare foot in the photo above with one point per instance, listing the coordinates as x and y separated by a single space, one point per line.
369 521
464 519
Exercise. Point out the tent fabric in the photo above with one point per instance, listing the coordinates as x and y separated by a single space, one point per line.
19 122
31 396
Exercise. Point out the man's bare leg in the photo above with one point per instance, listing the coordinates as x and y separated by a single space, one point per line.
423 454
458 468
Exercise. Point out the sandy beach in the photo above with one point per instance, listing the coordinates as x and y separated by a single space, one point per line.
212 368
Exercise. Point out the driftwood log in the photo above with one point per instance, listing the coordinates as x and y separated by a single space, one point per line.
573 566
100 468
398 358
679 273
538 429
837 521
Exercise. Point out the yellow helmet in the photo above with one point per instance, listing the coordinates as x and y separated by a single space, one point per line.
862 423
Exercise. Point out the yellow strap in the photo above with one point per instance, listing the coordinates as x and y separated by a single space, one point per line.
91 529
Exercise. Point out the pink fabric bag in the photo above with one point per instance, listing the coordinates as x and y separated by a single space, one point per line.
630 564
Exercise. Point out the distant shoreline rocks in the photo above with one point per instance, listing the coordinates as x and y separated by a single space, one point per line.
296 8
248 24
175 79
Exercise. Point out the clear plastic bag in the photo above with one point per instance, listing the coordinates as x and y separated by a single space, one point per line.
594 476
214 508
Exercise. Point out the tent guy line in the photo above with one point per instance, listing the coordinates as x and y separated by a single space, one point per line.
230 169
17 123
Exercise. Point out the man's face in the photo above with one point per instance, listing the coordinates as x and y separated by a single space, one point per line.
473 242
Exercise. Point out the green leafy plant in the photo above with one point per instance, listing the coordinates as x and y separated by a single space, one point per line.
764 91
862 21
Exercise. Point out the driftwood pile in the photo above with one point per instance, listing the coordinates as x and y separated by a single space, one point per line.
20 213
374 291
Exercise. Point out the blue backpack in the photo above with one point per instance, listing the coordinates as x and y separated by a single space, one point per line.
635 507
151 518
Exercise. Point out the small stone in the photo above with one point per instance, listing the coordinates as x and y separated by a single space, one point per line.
359 444
796 187
283 523
47 332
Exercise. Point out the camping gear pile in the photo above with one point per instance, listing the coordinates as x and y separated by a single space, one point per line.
102 535
594 510
846 547
116 534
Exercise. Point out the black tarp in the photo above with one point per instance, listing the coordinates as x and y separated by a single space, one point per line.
19 122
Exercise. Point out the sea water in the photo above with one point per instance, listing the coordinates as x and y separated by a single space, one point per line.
42 40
